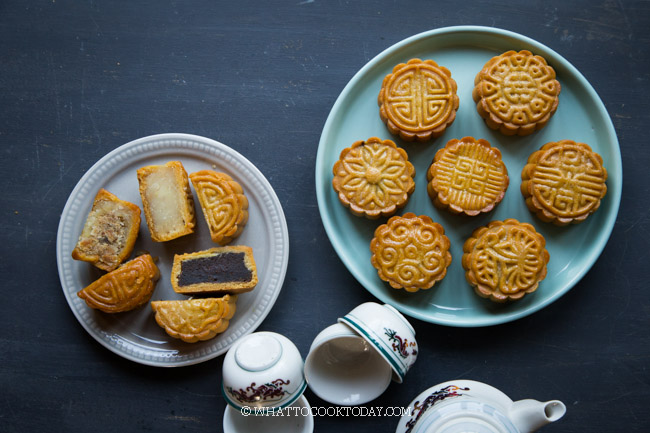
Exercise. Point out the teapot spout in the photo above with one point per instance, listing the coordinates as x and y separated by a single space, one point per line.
530 415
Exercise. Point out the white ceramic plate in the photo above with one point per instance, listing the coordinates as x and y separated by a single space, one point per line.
135 335
581 116
296 419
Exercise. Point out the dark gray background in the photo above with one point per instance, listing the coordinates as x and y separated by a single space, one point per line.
80 78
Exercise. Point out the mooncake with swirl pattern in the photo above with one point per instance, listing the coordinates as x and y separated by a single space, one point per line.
193 320
505 260
373 178
564 182
224 205
467 176
410 252
516 92
124 288
418 100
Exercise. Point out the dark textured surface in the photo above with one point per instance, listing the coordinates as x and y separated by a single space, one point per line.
79 79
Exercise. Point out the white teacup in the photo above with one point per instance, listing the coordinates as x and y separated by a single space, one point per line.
344 369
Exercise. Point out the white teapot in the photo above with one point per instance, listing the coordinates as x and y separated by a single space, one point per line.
460 406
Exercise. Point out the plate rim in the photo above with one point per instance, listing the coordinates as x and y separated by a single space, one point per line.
546 52
126 147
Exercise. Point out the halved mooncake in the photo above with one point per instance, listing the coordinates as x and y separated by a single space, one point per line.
125 288
373 178
109 233
223 202
418 100
467 176
516 92
167 200
410 252
505 260
229 269
564 182
195 320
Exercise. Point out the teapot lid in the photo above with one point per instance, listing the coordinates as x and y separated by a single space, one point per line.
465 416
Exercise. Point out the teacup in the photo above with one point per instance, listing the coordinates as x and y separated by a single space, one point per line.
263 369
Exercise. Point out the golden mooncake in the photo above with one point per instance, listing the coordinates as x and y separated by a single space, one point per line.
373 178
410 252
195 320
223 202
418 100
516 93
167 200
564 182
125 288
109 233
229 269
505 260
467 176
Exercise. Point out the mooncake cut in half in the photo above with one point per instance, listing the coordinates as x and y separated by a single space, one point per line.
373 178
229 269
109 233
516 93
564 182
223 202
125 288
467 176
193 320
505 260
410 252
167 200
418 100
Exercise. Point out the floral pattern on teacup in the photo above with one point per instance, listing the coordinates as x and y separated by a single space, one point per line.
401 345
267 392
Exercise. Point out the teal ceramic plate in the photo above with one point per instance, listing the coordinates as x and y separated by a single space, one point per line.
581 116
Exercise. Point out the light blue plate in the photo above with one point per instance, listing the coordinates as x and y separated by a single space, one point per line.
581 116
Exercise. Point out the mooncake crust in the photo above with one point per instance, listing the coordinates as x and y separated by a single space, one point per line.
109 233
410 252
505 260
224 205
125 288
193 320
373 178
418 100
215 287
564 182
516 93
467 176
186 206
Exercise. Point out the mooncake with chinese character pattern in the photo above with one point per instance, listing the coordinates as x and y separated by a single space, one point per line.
564 182
410 252
373 178
516 92
505 260
125 288
467 176
418 100
224 205
193 320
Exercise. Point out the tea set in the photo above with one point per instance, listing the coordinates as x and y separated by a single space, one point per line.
352 362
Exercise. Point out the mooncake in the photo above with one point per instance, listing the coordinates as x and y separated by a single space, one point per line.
229 269
223 202
373 178
418 100
516 93
467 176
564 182
125 288
505 260
167 200
193 320
410 252
109 233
